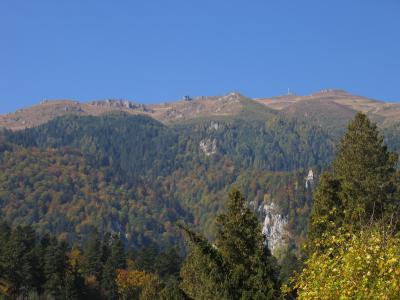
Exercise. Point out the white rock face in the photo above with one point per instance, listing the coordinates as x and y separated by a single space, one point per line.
310 179
214 126
274 226
208 146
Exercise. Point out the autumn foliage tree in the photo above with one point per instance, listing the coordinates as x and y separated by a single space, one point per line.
361 265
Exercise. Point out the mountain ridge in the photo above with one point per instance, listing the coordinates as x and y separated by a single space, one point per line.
229 105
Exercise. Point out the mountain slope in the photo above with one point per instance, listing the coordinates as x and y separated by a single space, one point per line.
176 161
179 171
330 115
231 105
59 191
334 107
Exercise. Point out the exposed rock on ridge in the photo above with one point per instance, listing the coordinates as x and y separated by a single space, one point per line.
330 107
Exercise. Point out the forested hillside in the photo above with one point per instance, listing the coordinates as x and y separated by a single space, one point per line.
59 191
186 168
134 178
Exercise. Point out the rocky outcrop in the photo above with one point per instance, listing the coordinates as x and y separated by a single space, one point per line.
214 126
310 179
112 103
208 146
274 226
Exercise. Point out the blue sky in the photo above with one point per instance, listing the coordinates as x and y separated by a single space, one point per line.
155 51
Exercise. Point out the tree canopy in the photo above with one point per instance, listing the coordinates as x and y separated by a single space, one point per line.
238 265
362 186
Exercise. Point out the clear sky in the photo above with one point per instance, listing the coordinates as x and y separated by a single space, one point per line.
155 51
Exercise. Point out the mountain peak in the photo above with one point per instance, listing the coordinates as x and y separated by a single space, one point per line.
235 95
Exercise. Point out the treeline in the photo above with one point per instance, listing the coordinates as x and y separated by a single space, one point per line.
42 267
237 265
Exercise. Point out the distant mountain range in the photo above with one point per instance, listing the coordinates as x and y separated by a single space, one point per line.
327 108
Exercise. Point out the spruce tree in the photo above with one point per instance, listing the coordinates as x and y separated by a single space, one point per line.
108 285
55 266
327 210
19 262
74 285
93 253
239 265
118 252
115 261
204 274
366 170
252 269
362 185
5 232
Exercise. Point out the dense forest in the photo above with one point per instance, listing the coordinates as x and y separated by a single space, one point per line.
125 207
165 173
34 266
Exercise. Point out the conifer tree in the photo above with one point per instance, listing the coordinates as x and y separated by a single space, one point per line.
240 265
115 261
118 252
93 254
55 265
19 261
204 274
171 291
366 170
108 284
5 232
74 285
327 211
252 269
362 186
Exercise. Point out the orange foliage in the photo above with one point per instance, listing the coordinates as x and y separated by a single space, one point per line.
129 281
